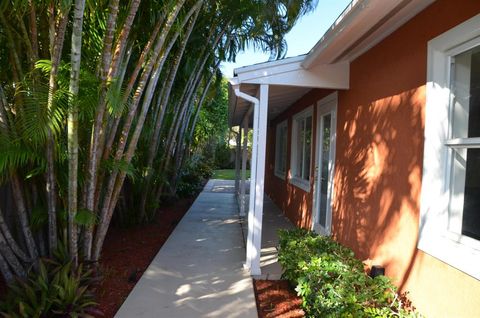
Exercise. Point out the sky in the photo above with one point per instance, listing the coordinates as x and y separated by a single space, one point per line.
303 37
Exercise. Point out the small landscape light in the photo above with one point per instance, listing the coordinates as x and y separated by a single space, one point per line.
377 271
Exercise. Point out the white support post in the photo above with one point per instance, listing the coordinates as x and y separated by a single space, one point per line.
257 178
253 182
261 143
244 165
238 142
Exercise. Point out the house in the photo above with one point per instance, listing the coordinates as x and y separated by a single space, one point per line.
373 137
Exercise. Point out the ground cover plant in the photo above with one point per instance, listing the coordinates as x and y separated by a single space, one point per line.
58 289
332 282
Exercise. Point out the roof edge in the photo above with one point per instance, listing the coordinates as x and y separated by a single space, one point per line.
268 64
347 15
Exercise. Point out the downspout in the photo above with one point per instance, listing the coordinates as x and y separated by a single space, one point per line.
246 97
251 253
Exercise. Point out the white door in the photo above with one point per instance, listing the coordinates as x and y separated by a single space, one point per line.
324 165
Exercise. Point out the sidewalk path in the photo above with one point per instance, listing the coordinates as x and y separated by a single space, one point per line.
198 271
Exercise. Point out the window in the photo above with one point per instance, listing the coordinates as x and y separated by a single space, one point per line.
450 206
281 149
302 149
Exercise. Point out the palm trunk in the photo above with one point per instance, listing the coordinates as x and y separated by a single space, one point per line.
11 45
50 144
194 82
6 272
51 26
26 40
73 129
183 143
179 150
183 111
102 173
98 126
197 112
33 30
112 73
154 80
4 111
202 100
166 96
11 259
106 215
11 241
146 50
122 39
23 217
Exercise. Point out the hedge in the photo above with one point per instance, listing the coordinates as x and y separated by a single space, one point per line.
333 283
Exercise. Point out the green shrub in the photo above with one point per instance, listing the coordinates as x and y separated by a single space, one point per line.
57 289
191 178
222 157
332 282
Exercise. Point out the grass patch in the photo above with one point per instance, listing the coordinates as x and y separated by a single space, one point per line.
226 174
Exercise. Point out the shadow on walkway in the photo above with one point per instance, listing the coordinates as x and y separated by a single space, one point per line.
198 271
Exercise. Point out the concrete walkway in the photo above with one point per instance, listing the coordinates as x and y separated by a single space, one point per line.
198 271
273 220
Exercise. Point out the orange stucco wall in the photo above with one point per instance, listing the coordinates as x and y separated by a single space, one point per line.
295 202
378 166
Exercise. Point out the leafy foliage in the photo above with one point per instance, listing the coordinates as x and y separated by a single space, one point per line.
196 170
222 156
212 126
99 117
332 282
56 290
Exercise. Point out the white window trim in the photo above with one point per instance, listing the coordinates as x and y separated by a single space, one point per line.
280 174
323 107
434 238
296 181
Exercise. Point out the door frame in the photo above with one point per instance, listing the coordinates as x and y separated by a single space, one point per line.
324 106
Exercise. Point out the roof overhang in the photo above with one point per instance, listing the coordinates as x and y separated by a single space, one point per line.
279 99
290 72
288 82
362 25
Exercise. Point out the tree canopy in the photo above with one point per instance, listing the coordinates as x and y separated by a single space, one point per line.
102 104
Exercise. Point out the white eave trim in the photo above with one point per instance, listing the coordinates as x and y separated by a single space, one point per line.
332 76
362 25
345 18
266 65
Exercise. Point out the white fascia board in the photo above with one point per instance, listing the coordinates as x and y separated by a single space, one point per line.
406 14
334 76
274 69
268 65
351 12
357 20
234 81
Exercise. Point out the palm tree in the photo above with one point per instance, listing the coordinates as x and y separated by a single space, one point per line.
72 113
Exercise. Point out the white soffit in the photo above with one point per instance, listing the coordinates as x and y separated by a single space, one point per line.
289 72
362 25
279 99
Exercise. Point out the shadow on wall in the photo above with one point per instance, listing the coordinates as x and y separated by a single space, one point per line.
298 206
378 179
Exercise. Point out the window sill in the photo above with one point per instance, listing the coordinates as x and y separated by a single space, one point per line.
301 183
458 255
280 175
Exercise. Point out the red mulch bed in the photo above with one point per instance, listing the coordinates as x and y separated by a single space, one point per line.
276 298
128 252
